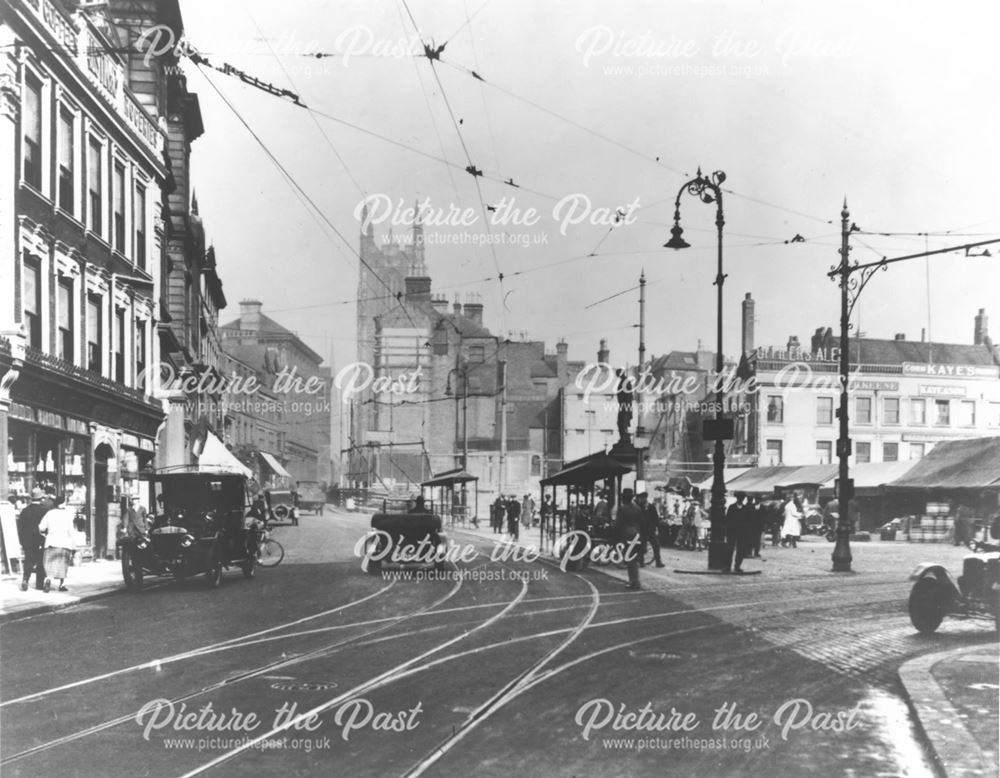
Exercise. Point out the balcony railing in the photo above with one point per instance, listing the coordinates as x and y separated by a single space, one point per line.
33 355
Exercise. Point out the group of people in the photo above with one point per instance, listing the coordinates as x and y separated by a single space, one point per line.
47 535
507 508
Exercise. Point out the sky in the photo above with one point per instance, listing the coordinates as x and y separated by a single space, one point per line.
594 109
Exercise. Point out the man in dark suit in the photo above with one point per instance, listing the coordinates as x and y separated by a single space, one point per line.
513 516
629 527
650 529
32 541
737 531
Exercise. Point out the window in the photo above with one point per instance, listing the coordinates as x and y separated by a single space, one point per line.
118 207
477 353
65 160
94 341
862 451
890 410
993 419
863 410
917 450
824 452
965 415
31 123
773 455
120 345
890 452
65 304
33 302
918 411
94 173
776 409
942 417
140 350
824 410
139 219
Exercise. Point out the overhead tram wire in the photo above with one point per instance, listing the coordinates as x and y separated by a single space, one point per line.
432 55
312 116
430 111
297 187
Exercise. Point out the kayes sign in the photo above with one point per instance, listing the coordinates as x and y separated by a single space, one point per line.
951 371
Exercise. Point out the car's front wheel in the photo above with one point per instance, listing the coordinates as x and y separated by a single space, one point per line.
928 604
131 570
214 574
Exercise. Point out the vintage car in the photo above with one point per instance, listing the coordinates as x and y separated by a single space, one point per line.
975 595
281 506
403 533
200 526
310 497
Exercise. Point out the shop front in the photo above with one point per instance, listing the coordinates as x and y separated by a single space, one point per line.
80 437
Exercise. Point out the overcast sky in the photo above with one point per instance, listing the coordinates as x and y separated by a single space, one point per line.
892 104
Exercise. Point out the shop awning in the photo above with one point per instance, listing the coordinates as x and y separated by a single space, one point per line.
587 471
215 454
274 464
955 464
728 474
450 478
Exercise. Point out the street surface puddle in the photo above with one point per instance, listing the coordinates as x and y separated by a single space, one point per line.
896 739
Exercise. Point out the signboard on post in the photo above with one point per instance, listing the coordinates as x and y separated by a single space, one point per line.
717 429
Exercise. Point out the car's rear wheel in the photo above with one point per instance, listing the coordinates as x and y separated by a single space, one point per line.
281 512
928 604
131 570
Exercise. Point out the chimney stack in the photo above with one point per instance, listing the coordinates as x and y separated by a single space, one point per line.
793 344
474 308
982 331
250 315
418 289
603 355
457 307
748 314
900 336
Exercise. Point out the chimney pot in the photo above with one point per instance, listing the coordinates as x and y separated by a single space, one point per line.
900 336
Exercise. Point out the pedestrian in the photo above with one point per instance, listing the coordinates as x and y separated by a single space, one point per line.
513 516
547 511
602 510
60 540
528 511
791 527
629 530
32 541
650 529
136 519
963 525
737 531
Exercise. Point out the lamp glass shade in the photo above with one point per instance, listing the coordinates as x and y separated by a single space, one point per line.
676 241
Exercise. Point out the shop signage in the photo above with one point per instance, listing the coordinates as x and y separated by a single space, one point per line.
50 419
951 371
22 411
934 390
875 386
77 426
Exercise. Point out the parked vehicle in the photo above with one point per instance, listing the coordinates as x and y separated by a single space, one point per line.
200 526
281 506
976 594
405 534
310 497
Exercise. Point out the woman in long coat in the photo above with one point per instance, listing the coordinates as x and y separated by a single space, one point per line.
60 540
791 528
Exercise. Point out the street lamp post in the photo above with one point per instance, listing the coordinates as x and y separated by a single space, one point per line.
462 371
845 486
709 190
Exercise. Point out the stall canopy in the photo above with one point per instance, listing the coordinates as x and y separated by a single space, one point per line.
584 472
728 474
871 476
808 475
215 454
451 478
955 464
274 464
761 480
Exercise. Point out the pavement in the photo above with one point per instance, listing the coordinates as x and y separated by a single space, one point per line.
953 694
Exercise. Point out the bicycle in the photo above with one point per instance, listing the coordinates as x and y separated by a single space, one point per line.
269 551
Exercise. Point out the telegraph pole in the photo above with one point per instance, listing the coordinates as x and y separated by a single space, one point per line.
503 425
